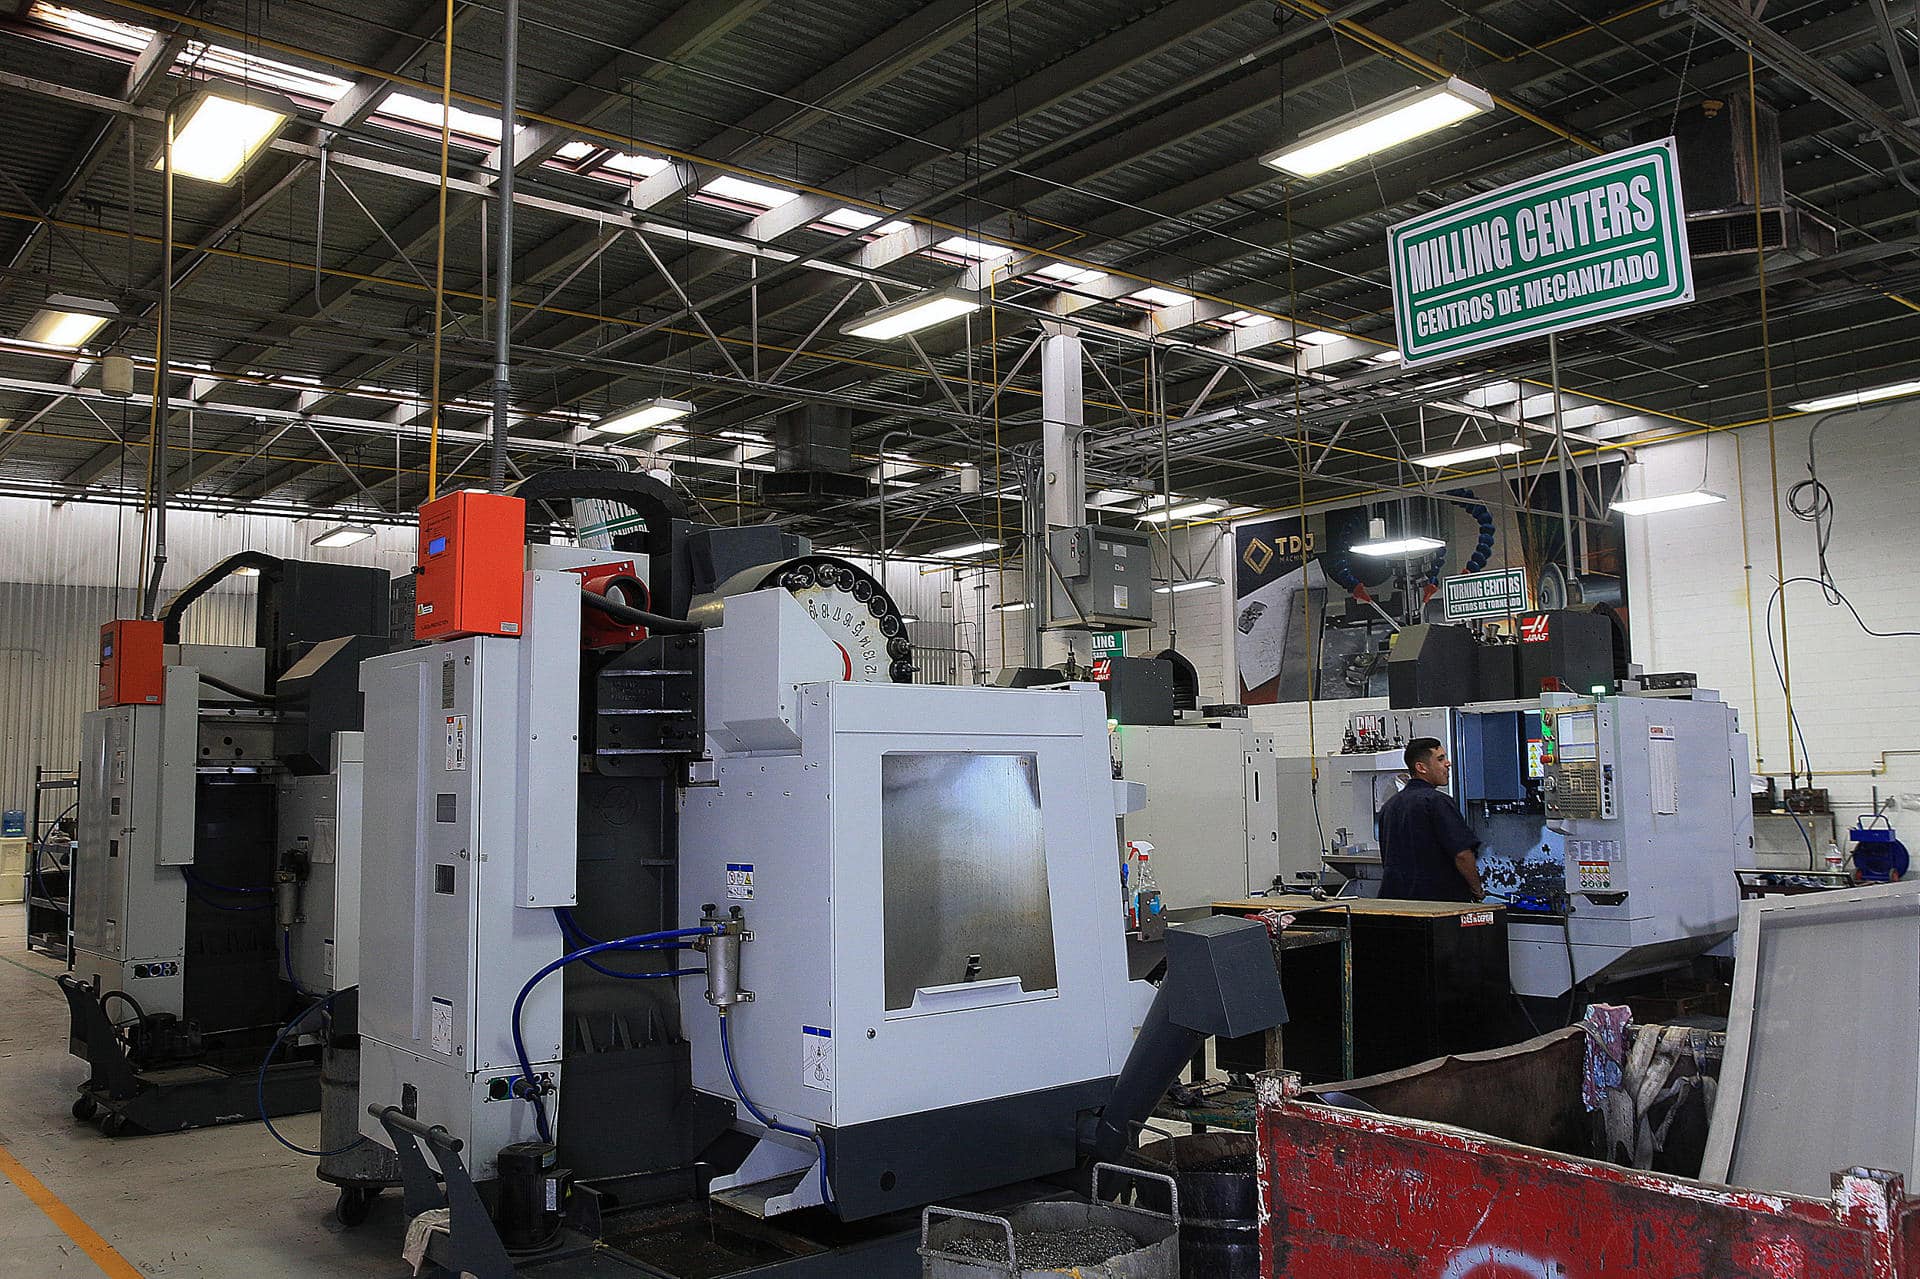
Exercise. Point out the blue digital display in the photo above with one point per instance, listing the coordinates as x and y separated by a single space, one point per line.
436 546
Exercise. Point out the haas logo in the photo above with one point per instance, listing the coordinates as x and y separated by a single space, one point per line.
1533 630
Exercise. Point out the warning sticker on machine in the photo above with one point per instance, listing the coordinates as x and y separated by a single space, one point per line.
443 1026
1476 919
816 1057
456 743
740 881
1120 597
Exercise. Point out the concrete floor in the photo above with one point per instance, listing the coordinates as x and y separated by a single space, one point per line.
212 1204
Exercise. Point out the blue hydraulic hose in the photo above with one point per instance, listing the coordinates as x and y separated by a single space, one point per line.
196 885
726 1054
640 942
260 1084
579 936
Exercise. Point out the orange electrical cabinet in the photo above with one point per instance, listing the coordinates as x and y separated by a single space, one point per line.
472 555
132 663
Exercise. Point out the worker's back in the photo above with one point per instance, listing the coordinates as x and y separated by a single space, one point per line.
1421 832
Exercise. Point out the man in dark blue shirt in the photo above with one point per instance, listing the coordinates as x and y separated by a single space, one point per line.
1426 845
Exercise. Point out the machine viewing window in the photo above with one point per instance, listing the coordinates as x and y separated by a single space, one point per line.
964 858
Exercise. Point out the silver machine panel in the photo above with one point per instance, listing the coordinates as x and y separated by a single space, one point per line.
321 815
468 843
964 860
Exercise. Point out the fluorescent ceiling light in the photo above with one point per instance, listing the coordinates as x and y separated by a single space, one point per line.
344 535
1066 273
979 250
1192 584
1186 510
639 166
1378 544
643 417
1667 502
1153 295
922 311
1235 512
741 191
1011 606
1399 119
1849 399
962 549
745 437
1114 497
1474 453
65 320
854 220
220 128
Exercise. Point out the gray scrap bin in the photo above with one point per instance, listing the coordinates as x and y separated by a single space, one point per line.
1157 1234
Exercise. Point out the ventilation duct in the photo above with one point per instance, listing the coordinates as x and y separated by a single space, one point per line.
812 459
1725 176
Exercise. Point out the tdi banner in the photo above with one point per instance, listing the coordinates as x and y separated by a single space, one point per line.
1586 244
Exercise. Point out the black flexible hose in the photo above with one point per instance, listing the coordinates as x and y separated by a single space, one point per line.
234 690
658 622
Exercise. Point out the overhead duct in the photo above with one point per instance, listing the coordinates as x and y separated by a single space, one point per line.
812 459
1726 176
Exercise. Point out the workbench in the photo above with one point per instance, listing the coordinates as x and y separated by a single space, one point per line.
1410 981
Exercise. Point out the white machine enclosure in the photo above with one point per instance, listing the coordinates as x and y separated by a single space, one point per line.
321 814
1213 813
971 971
468 839
139 766
1653 883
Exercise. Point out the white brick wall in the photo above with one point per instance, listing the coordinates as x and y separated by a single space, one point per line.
1699 605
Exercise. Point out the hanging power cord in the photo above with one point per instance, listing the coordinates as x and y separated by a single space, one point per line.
1826 585
766 1120
525 1085
260 1082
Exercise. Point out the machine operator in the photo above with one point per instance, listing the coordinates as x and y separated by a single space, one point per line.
1429 851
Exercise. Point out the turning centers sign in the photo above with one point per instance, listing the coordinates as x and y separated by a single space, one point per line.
1586 244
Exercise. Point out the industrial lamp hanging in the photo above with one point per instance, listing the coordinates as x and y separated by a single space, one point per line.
1380 546
921 311
1667 502
1191 584
219 128
1381 127
343 535
68 321
643 417
1473 453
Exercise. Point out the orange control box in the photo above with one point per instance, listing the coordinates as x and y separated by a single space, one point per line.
131 663
473 550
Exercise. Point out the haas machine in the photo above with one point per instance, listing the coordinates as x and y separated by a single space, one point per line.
692 906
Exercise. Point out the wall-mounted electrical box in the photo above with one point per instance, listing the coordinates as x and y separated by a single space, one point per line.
468 575
131 662
1099 578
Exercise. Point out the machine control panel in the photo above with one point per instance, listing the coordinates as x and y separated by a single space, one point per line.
1577 762
132 661
472 550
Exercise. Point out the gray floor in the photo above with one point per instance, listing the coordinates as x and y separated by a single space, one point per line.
211 1204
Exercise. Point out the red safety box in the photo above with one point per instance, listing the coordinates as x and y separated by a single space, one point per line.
132 663
472 556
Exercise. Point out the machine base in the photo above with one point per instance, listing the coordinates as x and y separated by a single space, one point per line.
197 1096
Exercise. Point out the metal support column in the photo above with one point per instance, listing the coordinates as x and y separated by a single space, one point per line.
1063 478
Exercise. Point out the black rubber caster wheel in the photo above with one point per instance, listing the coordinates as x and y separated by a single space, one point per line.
355 1203
112 1124
85 1108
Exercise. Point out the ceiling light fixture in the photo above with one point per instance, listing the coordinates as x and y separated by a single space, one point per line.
1849 399
1011 606
1191 584
1667 502
1380 546
643 417
220 127
344 535
1398 119
1182 511
961 550
1473 453
65 320
921 311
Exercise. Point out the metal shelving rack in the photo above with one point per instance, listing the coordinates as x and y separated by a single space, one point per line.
49 916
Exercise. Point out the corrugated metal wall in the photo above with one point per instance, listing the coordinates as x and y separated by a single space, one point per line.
65 570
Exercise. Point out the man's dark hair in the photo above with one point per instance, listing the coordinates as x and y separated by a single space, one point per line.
1421 749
